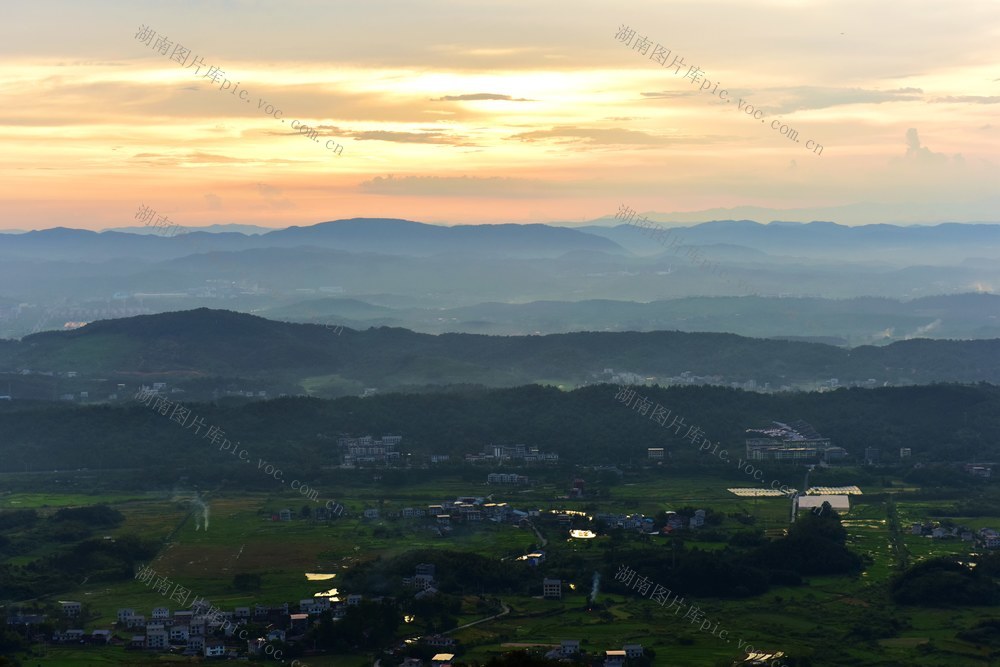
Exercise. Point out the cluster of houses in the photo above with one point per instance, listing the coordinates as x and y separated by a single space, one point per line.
986 538
506 478
512 453
643 523
423 579
797 441
194 631
939 532
467 509
570 649
462 509
984 470
370 451
989 538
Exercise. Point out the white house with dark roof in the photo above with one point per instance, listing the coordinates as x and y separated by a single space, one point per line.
632 650
614 658
214 648
70 608
157 639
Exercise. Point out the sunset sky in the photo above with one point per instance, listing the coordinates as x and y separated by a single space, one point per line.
472 111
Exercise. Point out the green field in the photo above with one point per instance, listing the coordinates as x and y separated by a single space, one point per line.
807 620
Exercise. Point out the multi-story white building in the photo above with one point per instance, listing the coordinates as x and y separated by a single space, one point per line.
506 478
70 608
157 639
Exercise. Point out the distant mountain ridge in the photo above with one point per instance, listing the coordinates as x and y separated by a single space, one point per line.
854 321
386 236
734 239
222 343
819 239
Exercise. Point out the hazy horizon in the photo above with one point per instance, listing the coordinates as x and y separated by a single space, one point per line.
467 113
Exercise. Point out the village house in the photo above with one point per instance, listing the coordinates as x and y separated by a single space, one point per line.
440 641
990 538
100 637
214 649
314 605
298 623
20 618
633 650
70 609
614 658
428 592
506 478
552 589
157 639
74 636
569 647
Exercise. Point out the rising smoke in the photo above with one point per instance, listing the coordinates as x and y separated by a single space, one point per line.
200 509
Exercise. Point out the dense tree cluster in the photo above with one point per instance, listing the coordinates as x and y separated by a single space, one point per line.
70 551
366 626
750 565
944 582
943 423
815 545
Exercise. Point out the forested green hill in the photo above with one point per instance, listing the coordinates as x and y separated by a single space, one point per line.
222 343
938 422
